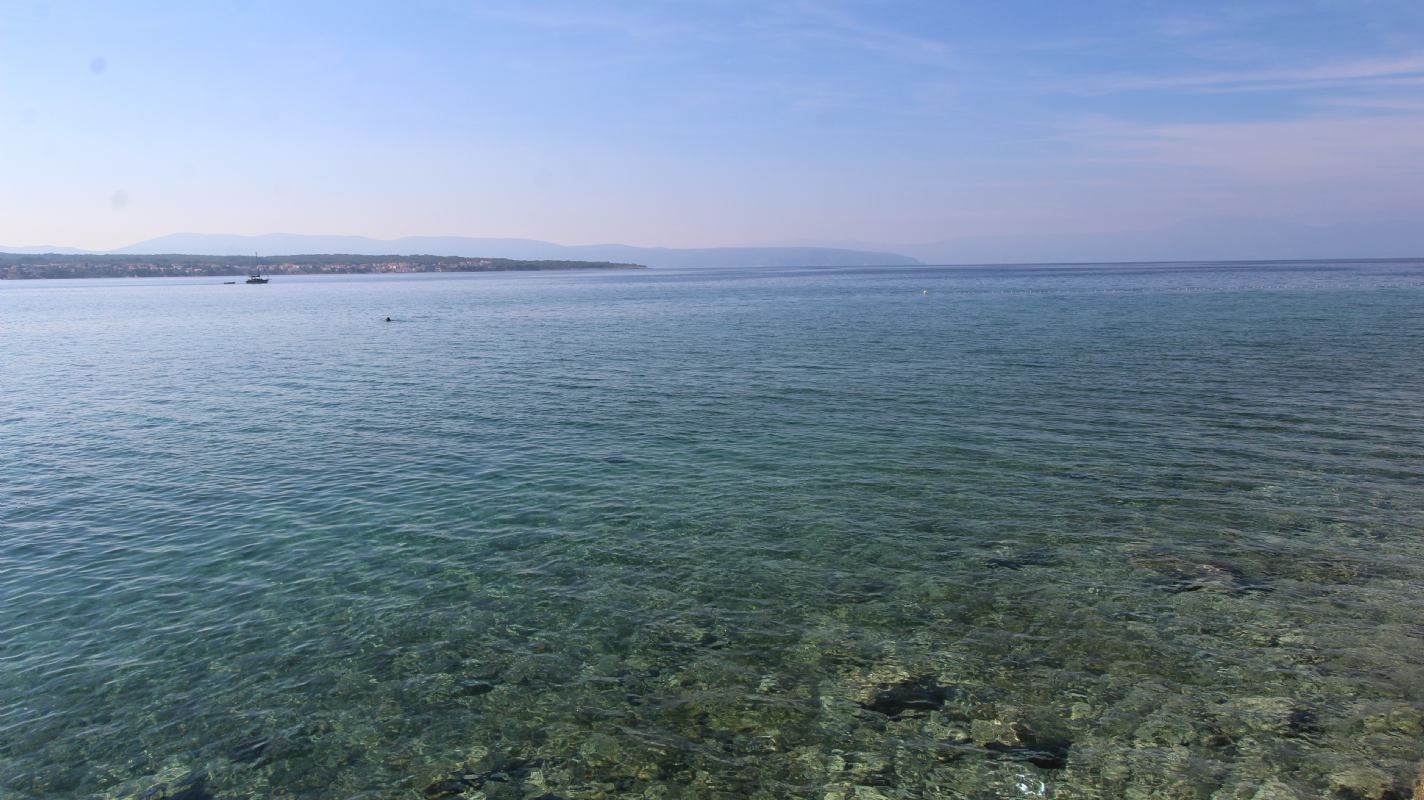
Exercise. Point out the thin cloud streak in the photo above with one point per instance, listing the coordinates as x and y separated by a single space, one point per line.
1355 73
1313 152
1386 104
639 26
879 39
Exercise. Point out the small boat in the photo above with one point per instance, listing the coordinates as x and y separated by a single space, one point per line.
256 276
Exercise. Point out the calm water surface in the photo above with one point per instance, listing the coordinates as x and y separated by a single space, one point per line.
1079 532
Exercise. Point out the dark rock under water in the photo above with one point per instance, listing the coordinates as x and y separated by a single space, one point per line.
191 787
1019 734
496 768
916 694
475 687
1022 558
250 750
1179 573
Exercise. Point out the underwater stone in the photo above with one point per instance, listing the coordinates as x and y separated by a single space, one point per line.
1282 716
1041 757
443 789
1275 790
1401 720
1364 783
249 750
192 787
494 769
1031 558
1180 574
843 792
915 694
503 791
600 748
944 728
1019 734
869 768
475 687
1168 729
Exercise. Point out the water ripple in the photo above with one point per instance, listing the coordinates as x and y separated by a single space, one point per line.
695 534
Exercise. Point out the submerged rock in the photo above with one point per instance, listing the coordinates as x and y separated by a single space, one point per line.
601 749
494 769
444 789
250 750
190 787
1393 719
1029 558
921 693
1018 734
1253 788
1365 783
1282 716
1273 789
1177 573
474 687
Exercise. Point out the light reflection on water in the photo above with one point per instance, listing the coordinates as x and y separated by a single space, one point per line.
1117 531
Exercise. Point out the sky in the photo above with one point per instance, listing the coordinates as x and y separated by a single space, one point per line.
702 122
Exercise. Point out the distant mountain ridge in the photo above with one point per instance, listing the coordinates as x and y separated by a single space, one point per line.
521 249
45 249
1205 239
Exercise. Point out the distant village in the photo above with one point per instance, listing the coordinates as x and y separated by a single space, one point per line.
17 266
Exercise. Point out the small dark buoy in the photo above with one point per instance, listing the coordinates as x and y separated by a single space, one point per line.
388 319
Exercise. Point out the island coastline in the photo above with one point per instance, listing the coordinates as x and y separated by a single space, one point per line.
19 266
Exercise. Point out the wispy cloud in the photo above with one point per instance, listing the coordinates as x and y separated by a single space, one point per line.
1315 151
783 24
1356 74
608 19
1386 103
828 19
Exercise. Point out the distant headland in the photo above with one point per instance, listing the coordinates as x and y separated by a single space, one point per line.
19 266
489 248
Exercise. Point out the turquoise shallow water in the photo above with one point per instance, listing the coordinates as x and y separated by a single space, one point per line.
1076 532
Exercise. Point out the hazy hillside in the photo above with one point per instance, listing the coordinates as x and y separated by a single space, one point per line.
1214 239
526 249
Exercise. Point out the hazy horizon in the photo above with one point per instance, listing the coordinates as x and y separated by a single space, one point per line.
705 124
1219 239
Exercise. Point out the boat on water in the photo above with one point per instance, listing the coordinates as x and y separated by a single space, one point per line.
256 276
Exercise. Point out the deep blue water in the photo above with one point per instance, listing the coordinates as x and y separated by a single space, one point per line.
1079 532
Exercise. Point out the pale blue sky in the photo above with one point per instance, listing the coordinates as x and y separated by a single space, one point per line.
702 122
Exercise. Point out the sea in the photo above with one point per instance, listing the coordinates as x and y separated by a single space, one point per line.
1066 531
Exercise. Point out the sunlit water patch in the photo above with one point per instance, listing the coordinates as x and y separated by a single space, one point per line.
1078 532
